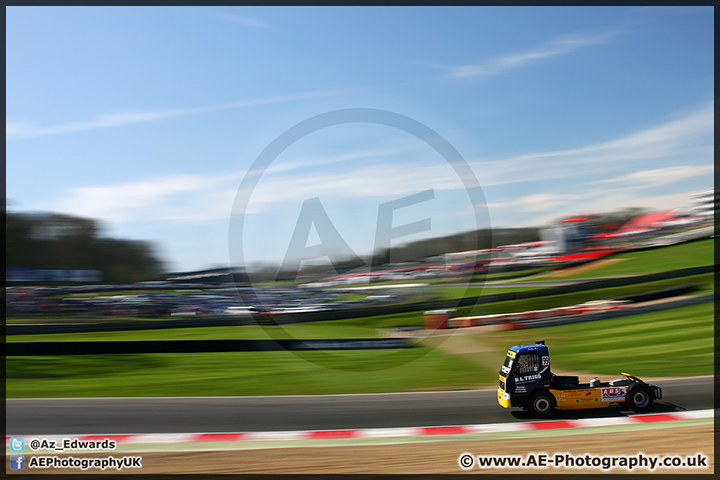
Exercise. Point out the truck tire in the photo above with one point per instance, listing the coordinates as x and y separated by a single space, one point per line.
541 404
639 398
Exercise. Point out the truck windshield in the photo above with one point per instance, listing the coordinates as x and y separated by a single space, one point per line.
508 362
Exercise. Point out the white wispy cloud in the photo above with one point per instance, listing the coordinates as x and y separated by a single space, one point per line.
539 202
179 198
686 140
318 161
606 176
661 176
630 197
547 208
618 199
24 129
205 198
559 46
246 21
355 183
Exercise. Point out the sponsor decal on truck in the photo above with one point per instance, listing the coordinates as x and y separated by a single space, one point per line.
528 378
613 394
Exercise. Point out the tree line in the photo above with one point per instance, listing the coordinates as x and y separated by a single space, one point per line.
57 241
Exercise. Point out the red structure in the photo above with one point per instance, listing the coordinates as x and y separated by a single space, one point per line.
641 224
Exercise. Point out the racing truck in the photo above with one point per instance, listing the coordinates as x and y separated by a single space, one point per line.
526 381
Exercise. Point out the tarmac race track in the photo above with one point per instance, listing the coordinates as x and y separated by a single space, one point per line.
86 416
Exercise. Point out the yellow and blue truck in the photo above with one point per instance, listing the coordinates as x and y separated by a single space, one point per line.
526 381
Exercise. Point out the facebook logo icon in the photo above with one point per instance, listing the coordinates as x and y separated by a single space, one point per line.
17 462
17 444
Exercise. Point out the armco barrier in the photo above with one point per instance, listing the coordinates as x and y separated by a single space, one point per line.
586 285
44 328
196 346
460 322
484 320
521 319
615 312
506 318
664 293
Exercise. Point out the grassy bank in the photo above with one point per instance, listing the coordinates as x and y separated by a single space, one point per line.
565 299
675 342
685 255
242 373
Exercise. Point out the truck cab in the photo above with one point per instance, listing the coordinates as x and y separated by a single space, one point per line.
526 381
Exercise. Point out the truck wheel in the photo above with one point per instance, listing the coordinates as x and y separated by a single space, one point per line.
639 398
541 404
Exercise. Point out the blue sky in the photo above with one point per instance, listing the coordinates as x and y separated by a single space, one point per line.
149 118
